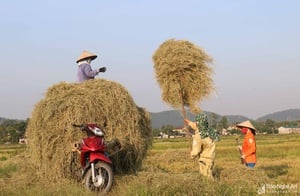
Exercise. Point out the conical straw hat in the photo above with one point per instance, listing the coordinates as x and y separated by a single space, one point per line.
86 54
246 124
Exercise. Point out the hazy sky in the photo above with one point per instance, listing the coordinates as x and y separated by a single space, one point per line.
255 46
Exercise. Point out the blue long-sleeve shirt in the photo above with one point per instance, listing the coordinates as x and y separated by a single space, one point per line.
85 72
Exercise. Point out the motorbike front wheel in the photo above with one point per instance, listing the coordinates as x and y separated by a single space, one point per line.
103 178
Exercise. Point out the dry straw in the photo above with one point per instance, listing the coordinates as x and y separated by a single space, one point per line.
51 135
183 73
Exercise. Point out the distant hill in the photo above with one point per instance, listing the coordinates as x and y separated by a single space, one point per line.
286 115
171 117
174 118
236 118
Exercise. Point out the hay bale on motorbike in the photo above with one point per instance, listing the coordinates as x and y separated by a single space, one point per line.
51 135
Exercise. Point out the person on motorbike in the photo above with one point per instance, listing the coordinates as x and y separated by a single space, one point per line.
85 72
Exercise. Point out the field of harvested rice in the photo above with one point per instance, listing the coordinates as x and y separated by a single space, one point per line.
168 170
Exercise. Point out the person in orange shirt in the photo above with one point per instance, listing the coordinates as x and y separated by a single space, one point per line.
249 145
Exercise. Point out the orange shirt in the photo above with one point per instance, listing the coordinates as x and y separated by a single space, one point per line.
249 147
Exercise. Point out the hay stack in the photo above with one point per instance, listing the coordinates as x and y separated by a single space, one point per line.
183 73
51 135
244 177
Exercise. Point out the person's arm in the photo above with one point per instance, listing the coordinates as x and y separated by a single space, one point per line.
89 72
193 125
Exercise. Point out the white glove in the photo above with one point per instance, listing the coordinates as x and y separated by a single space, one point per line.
239 147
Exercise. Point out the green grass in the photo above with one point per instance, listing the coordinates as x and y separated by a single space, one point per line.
9 151
7 170
168 170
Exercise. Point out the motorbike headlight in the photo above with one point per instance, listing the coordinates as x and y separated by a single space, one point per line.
98 132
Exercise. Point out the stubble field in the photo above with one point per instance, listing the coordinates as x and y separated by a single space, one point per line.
168 170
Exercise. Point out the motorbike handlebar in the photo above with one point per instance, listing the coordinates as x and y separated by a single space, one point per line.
79 126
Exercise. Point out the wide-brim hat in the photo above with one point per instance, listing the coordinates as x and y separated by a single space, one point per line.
246 124
86 55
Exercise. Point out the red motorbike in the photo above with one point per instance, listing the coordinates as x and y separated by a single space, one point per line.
96 166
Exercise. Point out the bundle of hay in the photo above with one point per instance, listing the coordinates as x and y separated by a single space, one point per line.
244 177
51 135
183 74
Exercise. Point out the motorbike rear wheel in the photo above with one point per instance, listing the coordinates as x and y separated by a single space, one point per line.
104 178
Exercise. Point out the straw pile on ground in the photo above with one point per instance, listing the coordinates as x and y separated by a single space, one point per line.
51 135
244 177
183 73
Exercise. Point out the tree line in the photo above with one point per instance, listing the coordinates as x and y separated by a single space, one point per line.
11 131
266 127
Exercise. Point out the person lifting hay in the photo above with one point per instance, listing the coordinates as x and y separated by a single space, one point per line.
183 73
85 72
203 146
